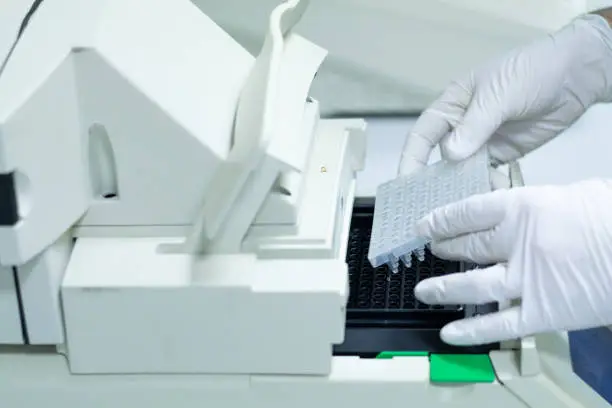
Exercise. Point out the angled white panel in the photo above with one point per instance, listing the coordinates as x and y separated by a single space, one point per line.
10 321
175 121
40 280
99 128
40 143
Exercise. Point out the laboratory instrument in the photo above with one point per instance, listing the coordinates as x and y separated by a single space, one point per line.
179 228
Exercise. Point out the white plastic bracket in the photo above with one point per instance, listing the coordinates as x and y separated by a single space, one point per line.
268 122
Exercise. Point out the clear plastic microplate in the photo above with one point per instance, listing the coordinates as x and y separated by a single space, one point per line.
402 202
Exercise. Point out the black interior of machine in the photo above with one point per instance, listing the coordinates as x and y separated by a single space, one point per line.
382 313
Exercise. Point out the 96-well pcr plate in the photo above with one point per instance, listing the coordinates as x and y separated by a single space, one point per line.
402 202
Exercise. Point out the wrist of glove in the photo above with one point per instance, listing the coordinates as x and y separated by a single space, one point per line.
586 53
550 247
520 101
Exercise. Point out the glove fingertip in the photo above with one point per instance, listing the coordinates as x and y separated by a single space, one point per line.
457 147
422 228
424 291
451 334
462 333
409 165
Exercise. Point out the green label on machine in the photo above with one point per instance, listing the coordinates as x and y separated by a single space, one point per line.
461 368
391 354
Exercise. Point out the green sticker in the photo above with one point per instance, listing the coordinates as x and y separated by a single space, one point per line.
391 354
461 368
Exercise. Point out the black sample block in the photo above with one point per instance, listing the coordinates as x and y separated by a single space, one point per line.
382 313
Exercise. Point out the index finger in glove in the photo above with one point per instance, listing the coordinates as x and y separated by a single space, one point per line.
475 287
485 329
431 127
482 247
476 213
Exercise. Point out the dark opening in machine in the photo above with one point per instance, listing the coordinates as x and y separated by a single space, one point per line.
382 313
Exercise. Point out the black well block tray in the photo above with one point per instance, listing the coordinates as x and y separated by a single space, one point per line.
382 313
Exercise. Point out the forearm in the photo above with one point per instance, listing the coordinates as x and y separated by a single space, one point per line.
605 13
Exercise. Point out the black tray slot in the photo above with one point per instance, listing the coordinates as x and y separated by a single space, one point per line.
382 313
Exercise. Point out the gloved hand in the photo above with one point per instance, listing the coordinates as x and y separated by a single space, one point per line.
520 101
550 246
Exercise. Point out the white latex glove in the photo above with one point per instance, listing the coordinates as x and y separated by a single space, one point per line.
550 246
520 101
